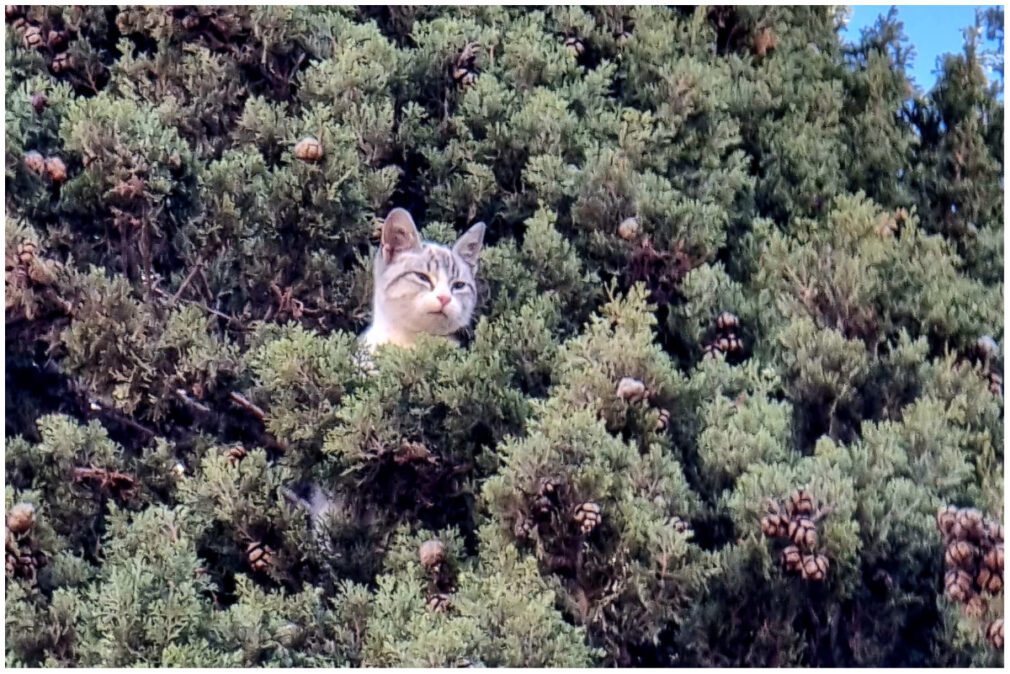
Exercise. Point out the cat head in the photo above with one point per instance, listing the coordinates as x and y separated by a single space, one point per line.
422 286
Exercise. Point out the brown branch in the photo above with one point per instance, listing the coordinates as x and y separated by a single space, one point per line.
206 285
185 282
111 480
192 403
117 416
230 319
248 405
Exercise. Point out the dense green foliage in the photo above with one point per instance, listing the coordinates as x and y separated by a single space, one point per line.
184 288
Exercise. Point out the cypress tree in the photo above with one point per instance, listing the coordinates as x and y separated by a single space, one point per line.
732 396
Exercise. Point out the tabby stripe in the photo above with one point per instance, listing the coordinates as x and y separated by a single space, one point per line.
400 276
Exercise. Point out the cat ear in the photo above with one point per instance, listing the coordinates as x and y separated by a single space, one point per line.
399 233
469 245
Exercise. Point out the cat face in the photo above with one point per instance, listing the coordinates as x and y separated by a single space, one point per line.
422 286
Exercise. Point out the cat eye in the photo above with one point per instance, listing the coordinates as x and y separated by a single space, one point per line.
424 277
458 285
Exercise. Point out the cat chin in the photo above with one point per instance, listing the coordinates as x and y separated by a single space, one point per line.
440 324
432 323
377 335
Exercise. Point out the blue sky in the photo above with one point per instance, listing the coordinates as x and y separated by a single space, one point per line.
933 30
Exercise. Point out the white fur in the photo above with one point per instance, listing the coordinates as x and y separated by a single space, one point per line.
421 287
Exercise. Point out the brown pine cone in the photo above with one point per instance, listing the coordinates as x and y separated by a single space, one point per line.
309 149
631 389
815 567
679 525
40 273
439 603
542 507
946 518
588 515
21 518
989 582
25 565
994 530
996 383
663 422
62 63
628 229
35 162
39 102
57 39
803 533
576 45
432 554
994 633
260 556
727 322
236 454
994 559
411 451
792 560
975 607
26 251
971 522
774 526
464 77
801 504
32 38
958 585
764 41
56 169
548 488
960 553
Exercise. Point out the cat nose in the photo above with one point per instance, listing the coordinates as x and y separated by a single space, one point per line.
444 299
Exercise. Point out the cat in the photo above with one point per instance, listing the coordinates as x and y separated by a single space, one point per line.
421 287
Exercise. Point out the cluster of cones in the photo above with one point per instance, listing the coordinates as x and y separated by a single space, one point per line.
986 351
38 37
464 71
22 557
235 454
37 32
973 555
797 523
53 167
548 505
27 267
260 556
576 44
586 515
726 340
441 578
634 391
